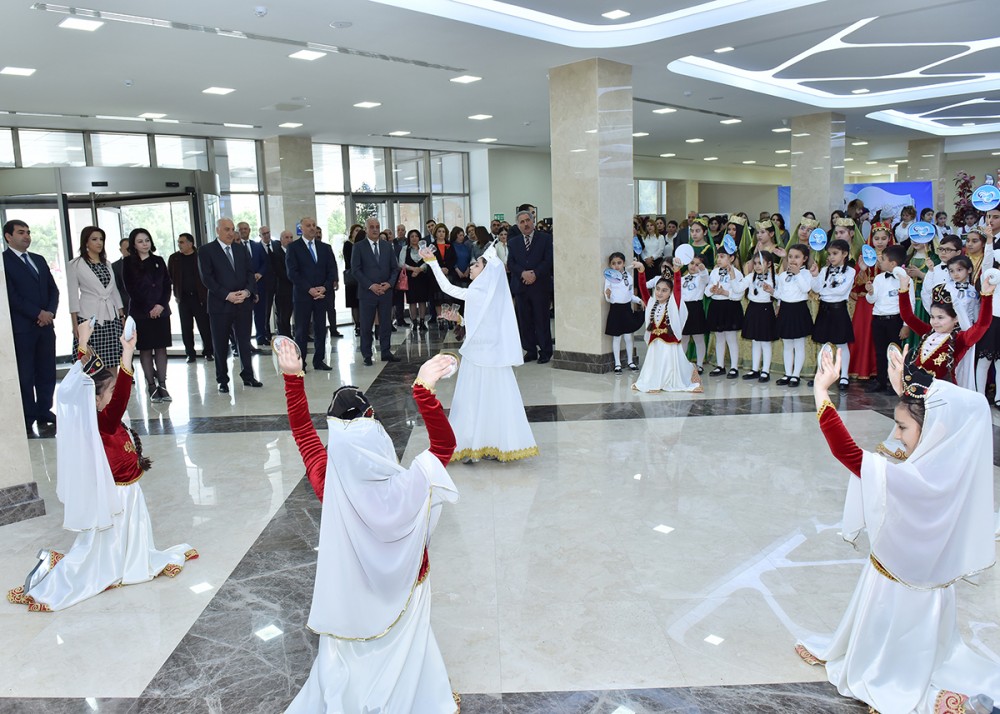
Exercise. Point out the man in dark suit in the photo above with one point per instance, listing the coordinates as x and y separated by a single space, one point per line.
282 285
258 265
117 268
191 296
265 288
530 262
313 271
331 297
33 298
226 272
683 235
375 268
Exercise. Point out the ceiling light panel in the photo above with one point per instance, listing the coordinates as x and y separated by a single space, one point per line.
465 79
947 118
481 117
78 23
487 140
308 55
18 71
891 72
289 125
664 110
548 27
368 105
218 90
399 133
615 14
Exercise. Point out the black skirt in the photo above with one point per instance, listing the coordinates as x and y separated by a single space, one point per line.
725 315
760 323
153 333
623 320
833 324
697 322
794 320
988 346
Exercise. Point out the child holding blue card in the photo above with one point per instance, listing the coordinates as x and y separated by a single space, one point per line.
622 319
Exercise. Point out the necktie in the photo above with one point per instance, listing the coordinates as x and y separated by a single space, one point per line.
229 254
312 250
375 250
34 270
527 244
267 248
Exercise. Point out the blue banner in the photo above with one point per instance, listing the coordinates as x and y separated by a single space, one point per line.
876 197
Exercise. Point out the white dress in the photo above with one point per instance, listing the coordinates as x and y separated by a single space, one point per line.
487 413
666 368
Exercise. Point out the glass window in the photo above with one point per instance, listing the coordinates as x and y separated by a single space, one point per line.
120 149
242 207
408 170
367 169
451 210
448 173
181 152
648 194
236 164
6 148
328 168
51 148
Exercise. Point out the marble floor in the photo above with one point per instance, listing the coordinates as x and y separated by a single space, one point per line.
662 554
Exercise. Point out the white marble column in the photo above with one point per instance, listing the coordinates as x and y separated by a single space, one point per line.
817 161
288 181
682 196
590 105
18 491
926 162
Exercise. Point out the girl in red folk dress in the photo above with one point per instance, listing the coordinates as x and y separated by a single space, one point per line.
372 596
862 357
666 368
99 463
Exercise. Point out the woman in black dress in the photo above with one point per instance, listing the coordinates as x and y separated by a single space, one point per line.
148 286
350 284
418 291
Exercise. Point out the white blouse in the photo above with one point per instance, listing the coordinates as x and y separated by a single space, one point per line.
794 287
834 284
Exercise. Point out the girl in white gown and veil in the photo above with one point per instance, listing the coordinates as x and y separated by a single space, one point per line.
487 413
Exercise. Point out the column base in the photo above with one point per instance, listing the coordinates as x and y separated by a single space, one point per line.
583 362
18 503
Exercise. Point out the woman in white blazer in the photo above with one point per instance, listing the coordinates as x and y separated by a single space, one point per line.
93 293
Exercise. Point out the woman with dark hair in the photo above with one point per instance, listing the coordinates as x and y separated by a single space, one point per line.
418 289
99 464
780 231
446 259
481 240
930 524
716 230
93 294
148 285
350 284
463 256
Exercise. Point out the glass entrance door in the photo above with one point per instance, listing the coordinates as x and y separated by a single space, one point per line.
391 210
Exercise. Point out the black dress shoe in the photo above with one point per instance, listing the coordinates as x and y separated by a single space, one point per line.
323 367
717 372
223 389
751 375
368 362
390 357
209 358
252 383
783 382
336 334
254 351
47 418
544 360
530 358
191 359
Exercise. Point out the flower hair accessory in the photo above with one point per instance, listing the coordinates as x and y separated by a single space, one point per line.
809 222
844 222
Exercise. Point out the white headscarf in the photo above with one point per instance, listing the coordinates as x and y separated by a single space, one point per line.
83 477
677 313
930 519
377 519
491 338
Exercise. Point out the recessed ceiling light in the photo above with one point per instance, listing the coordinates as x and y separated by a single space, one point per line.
801 134
871 163
855 173
667 156
78 23
929 156
780 166
749 162
902 161
665 529
117 118
781 130
193 153
341 25
731 121
724 50
693 141
848 159
487 140
481 117
859 143
151 115
290 125
711 158
859 91
308 55
465 79
368 105
615 14
590 131
218 90
399 133
714 640
18 71
640 133
797 153
664 110
969 123
783 151
577 151
996 153
237 126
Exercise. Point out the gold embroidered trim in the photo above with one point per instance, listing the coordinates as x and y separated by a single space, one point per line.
807 656
898 454
881 569
191 554
129 483
171 570
421 383
422 578
827 404
950 702
458 701
495 453
126 370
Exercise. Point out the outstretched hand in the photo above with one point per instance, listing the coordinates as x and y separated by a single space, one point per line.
896 361
434 369
827 372
289 359
427 253
83 332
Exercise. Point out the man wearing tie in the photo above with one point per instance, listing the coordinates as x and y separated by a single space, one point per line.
530 263
265 288
282 285
375 267
313 271
33 298
226 272
258 266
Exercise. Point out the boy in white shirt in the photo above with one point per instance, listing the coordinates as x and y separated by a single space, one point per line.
887 325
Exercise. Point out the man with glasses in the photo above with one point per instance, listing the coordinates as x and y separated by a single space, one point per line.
949 247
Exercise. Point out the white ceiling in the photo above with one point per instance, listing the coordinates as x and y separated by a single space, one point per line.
405 59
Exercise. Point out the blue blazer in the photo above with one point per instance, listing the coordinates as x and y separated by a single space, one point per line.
258 259
305 273
539 260
368 271
221 278
28 294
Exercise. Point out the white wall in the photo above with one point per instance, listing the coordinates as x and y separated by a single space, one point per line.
517 177
479 187
717 198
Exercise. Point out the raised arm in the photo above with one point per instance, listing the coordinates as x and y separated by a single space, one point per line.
643 290
842 446
439 430
446 287
311 449
677 287
906 311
